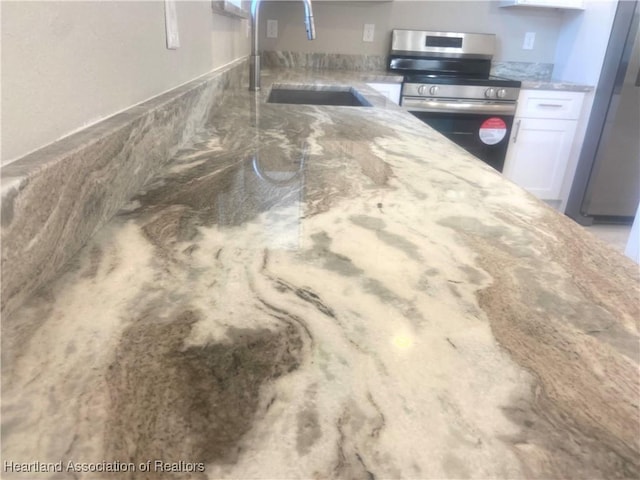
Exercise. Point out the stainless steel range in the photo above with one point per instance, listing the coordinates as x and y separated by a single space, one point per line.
447 84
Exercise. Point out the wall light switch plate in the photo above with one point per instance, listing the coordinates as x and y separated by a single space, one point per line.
272 29
529 40
171 24
368 32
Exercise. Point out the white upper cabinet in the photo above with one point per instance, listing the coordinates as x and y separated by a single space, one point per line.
564 4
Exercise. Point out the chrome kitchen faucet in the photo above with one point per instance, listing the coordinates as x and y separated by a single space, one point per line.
254 66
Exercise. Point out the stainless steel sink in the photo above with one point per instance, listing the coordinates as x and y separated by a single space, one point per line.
335 96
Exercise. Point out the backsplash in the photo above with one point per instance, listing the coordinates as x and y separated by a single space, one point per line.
523 70
326 61
55 199
539 72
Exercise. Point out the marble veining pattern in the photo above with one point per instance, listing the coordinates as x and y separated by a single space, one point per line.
324 61
54 199
330 292
535 76
560 86
522 70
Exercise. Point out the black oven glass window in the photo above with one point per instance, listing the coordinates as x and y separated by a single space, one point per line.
451 42
466 131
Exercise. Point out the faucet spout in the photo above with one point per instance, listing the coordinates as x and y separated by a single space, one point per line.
308 20
254 65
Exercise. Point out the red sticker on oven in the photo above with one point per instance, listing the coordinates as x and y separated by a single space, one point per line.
492 130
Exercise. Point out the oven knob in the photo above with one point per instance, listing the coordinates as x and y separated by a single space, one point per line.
501 93
421 89
490 92
433 90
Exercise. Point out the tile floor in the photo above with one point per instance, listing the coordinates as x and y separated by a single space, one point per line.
614 235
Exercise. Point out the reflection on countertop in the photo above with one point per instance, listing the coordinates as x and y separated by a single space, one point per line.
330 292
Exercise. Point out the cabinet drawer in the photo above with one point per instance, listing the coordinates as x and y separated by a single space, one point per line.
549 104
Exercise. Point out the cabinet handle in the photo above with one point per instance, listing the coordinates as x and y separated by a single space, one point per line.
515 135
549 105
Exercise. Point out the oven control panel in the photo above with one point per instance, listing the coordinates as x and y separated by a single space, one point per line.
460 91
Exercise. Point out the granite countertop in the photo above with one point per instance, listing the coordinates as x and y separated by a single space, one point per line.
535 76
329 292
555 85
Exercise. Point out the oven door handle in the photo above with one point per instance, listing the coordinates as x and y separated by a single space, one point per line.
437 106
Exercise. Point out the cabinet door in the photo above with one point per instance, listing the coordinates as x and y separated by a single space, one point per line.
538 155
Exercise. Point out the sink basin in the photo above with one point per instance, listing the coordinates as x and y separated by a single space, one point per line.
336 96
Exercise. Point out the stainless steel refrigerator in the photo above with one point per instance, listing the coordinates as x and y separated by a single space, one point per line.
606 186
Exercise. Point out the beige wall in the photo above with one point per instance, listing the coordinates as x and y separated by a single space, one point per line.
339 25
66 65
583 42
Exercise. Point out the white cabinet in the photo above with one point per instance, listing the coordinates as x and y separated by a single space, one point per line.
540 149
543 141
389 90
564 4
549 104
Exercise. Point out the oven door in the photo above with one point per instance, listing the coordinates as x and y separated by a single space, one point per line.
481 128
